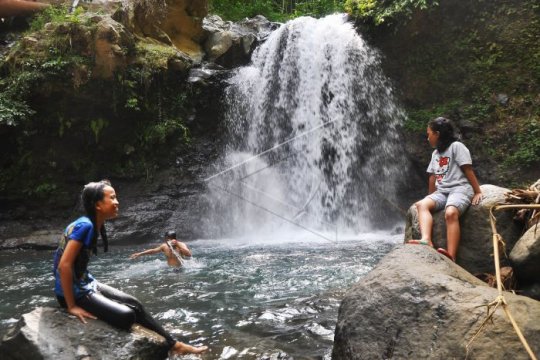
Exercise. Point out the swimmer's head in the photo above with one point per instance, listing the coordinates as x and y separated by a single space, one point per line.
169 235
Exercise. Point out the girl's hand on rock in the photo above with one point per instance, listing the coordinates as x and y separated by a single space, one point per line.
477 198
81 313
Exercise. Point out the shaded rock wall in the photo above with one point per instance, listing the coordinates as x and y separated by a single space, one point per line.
132 107
475 62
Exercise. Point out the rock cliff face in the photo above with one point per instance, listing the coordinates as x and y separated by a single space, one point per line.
116 93
416 304
173 22
231 44
476 63
48 333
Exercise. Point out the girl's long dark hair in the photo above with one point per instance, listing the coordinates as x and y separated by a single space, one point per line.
91 194
447 132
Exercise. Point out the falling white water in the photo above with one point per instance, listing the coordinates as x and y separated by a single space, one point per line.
310 72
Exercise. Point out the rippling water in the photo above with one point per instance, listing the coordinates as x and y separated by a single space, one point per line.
244 299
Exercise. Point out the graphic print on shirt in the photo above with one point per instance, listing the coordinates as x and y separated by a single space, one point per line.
442 169
61 246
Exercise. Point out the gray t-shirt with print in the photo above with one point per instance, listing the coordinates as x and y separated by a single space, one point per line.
446 167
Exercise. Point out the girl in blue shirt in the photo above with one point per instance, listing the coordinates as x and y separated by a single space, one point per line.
78 291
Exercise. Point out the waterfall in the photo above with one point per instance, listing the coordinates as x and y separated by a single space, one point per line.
310 74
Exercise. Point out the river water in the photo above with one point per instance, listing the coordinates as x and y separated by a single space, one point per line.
313 154
244 298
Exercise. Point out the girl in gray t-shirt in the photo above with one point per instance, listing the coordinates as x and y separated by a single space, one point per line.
452 185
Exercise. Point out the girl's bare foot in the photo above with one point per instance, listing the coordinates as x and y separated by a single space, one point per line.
180 348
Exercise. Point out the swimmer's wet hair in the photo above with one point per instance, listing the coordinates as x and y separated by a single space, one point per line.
171 234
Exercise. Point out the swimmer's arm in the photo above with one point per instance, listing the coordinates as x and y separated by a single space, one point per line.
147 252
431 184
469 174
184 250
65 268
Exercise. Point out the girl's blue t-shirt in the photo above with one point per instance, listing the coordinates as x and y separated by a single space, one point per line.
80 230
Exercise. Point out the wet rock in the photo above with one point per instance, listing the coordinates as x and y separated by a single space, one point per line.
502 99
110 40
41 239
96 36
416 304
260 25
468 126
476 245
207 74
231 44
525 256
49 333
218 44
173 22
277 355
228 352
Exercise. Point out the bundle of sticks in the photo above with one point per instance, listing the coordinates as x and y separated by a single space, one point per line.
531 195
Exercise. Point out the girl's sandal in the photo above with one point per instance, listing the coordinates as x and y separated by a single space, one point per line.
418 242
445 253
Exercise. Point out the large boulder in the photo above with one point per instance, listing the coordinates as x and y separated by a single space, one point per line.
110 44
40 239
475 252
231 44
525 256
48 333
416 304
171 22
96 37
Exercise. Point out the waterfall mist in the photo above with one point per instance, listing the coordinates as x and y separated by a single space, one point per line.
310 73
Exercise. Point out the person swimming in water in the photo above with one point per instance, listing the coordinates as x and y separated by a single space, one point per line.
173 249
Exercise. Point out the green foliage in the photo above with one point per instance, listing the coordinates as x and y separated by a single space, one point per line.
235 10
133 104
167 109
55 14
418 119
158 132
317 8
13 109
97 125
385 11
129 122
154 57
13 91
41 190
17 86
528 145
275 10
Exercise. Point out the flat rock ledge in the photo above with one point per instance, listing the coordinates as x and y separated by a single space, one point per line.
49 333
416 304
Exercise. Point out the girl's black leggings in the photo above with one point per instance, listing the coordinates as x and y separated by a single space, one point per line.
119 309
